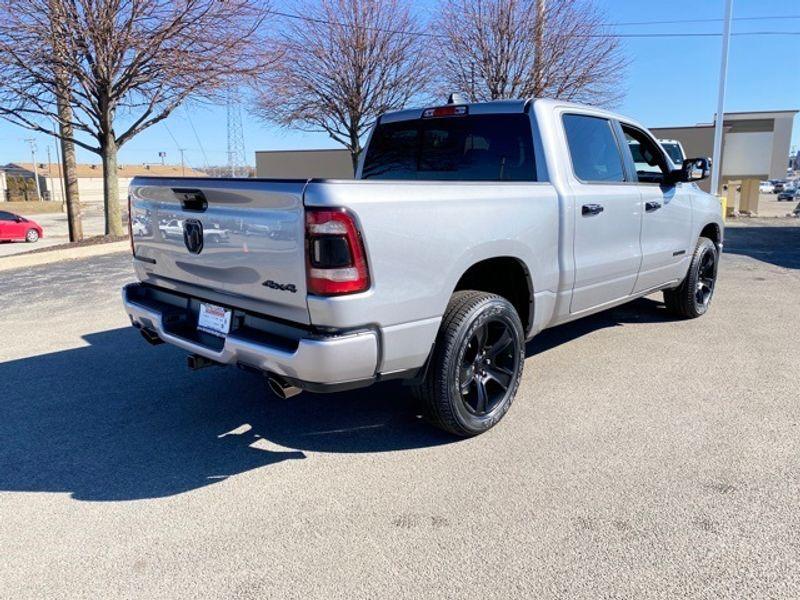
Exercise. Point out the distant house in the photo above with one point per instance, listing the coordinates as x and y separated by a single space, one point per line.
17 180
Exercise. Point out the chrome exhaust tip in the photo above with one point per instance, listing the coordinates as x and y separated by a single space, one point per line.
282 388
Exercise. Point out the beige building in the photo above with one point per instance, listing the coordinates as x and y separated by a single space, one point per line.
304 164
90 179
755 145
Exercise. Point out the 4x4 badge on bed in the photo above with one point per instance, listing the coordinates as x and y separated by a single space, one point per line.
193 235
284 287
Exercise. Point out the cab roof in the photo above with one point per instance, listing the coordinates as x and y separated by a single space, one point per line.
506 106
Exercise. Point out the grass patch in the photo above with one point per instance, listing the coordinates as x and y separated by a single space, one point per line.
88 241
31 208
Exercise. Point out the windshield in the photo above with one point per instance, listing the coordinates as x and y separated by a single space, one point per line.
466 148
674 152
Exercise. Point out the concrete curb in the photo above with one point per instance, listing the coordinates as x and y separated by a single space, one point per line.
21 261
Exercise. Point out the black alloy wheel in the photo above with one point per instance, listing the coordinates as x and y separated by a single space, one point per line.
476 365
693 296
706 278
487 367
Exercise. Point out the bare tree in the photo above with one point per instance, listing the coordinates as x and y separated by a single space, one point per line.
496 49
128 64
342 64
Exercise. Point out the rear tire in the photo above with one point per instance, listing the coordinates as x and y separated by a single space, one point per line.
32 236
692 297
476 366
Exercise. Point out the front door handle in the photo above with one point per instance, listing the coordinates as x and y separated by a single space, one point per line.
591 209
651 206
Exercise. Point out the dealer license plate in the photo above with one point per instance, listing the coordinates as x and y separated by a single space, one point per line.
214 319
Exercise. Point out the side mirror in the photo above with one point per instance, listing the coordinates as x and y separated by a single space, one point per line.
695 169
19 219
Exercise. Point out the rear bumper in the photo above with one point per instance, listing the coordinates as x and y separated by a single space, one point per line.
295 353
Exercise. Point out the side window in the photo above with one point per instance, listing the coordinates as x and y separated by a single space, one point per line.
593 149
6 216
651 166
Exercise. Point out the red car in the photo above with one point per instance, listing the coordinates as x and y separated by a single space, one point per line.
16 228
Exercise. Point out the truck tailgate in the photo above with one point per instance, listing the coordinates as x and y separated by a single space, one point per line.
236 238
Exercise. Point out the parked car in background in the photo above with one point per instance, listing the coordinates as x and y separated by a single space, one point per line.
675 150
789 194
14 228
140 226
766 187
469 229
174 229
778 185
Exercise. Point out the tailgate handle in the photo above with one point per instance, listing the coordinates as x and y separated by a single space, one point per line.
193 200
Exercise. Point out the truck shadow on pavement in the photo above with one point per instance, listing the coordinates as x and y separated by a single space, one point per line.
119 420
643 310
778 246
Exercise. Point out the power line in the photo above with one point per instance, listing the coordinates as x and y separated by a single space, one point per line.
180 149
683 22
597 35
197 137
687 35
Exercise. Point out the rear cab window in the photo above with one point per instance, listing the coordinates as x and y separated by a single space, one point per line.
496 147
593 149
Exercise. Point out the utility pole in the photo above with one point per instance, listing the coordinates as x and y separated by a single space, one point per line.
32 142
162 156
183 164
716 170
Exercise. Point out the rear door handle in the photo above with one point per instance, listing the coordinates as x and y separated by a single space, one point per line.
591 209
651 206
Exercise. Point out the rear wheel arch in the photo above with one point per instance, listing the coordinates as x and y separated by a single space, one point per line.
506 276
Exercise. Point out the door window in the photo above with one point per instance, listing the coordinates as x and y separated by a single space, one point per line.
593 149
7 216
649 160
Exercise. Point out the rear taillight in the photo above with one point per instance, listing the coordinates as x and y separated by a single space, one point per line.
335 258
130 225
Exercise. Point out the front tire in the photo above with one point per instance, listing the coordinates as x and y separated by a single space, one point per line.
692 297
476 364
32 236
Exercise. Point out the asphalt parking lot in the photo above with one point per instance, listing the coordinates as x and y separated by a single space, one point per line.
643 458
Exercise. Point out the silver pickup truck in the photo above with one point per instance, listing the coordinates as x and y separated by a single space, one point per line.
469 228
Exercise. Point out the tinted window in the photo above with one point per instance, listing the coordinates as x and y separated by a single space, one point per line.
674 152
593 148
6 216
650 162
466 148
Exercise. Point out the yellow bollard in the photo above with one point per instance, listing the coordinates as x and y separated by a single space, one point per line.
723 202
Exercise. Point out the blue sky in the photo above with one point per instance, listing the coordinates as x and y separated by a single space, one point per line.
670 81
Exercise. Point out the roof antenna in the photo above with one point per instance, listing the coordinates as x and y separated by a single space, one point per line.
456 98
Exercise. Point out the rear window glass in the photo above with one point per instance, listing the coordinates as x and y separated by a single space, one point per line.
593 148
469 148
